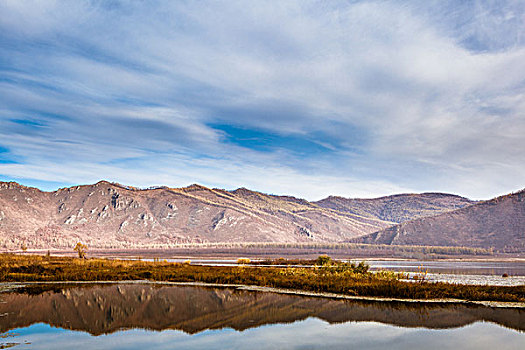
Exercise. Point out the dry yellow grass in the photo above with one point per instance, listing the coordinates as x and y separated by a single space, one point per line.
327 276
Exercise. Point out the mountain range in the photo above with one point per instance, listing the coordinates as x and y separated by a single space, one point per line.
111 215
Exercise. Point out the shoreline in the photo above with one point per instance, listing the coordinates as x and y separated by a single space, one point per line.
6 287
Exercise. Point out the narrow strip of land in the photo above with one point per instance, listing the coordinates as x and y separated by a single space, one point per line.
346 279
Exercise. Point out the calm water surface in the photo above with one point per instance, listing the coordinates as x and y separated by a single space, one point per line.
132 316
462 272
513 268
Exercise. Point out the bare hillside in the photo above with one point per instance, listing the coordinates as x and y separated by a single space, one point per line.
498 223
107 215
398 208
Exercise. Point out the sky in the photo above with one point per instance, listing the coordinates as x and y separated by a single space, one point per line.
306 98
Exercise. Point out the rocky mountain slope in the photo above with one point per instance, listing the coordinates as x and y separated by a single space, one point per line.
107 215
498 223
398 208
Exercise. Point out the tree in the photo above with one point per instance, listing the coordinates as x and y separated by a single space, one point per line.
81 250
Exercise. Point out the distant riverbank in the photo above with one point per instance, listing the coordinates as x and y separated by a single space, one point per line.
305 250
260 254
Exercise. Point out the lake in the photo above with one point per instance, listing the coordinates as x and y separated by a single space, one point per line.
145 316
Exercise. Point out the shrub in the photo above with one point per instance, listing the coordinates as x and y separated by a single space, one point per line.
323 260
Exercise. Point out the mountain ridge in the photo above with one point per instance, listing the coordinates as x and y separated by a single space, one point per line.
113 215
498 222
399 207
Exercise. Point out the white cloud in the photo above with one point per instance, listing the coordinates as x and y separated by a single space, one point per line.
406 96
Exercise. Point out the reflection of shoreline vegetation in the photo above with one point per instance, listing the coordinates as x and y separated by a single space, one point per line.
325 276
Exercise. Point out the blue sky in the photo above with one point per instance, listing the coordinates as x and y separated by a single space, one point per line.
309 98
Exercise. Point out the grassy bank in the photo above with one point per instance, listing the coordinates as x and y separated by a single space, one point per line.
365 247
327 276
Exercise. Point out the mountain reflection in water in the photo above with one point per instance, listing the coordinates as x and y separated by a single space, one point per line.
102 309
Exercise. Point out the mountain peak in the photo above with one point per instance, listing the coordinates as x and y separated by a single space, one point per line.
243 191
12 185
195 187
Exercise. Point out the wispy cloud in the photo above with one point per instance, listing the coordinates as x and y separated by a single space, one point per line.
308 98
